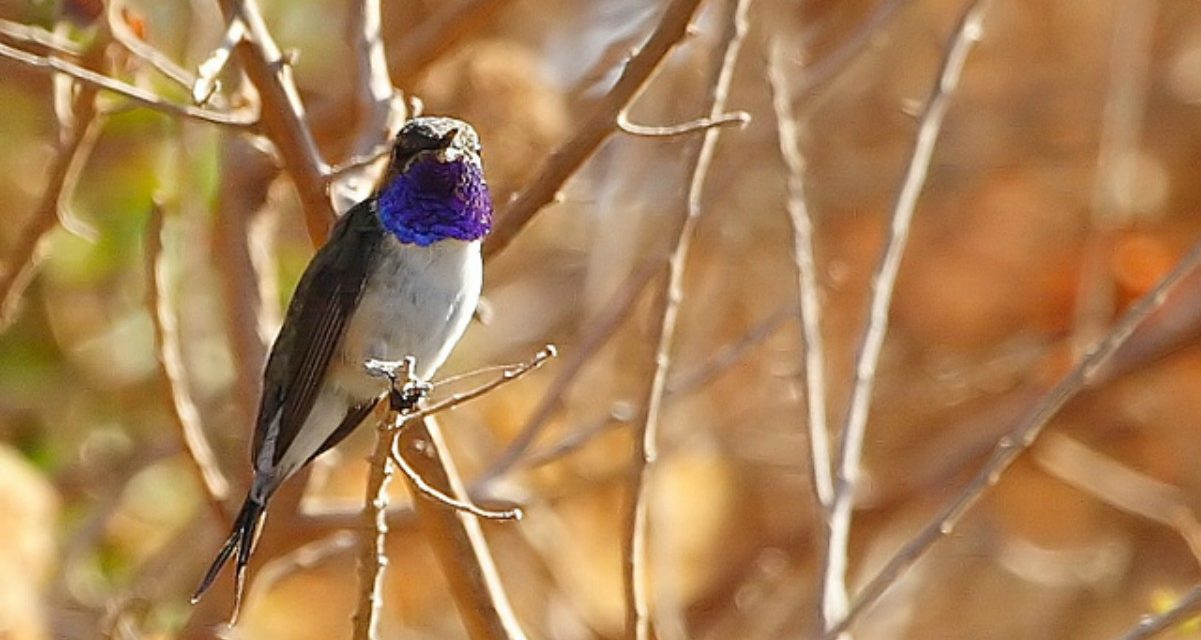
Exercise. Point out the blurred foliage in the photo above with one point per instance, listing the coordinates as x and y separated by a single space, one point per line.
106 526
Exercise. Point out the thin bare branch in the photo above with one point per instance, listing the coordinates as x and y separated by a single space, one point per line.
457 539
735 118
508 375
373 552
283 115
821 72
27 35
381 111
1119 486
1150 626
170 355
588 136
137 95
356 162
1086 373
207 84
636 567
438 34
1114 184
595 336
807 287
834 592
74 148
431 493
731 354
124 35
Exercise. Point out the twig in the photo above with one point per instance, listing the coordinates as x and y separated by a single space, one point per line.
74 147
730 354
302 558
425 489
807 288
166 337
125 36
735 118
636 569
380 109
283 115
1085 374
1150 626
357 162
438 34
373 553
206 74
458 540
1119 486
1114 183
595 336
372 559
30 35
834 592
136 94
508 375
571 155
820 73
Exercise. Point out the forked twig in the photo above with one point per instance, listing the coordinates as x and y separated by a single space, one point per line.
402 410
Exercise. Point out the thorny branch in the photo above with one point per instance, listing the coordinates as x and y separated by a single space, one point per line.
834 591
636 569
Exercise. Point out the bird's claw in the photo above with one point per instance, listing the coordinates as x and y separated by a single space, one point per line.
406 397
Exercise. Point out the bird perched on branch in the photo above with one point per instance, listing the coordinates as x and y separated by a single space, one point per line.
400 276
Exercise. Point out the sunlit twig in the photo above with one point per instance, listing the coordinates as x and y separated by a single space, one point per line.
1084 375
136 94
571 155
636 568
807 288
166 333
834 592
735 118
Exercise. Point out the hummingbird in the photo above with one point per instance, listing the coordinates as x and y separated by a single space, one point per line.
399 276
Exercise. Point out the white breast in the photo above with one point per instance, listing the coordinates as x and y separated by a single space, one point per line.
417 301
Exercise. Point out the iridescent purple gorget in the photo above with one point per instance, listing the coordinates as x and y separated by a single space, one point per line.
432 201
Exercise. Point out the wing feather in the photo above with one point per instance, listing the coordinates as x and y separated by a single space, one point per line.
321 308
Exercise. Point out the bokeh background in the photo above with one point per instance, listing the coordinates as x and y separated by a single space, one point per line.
1066 181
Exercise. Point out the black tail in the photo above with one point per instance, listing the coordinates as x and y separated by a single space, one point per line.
241 540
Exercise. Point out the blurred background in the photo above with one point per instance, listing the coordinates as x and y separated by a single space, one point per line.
1065 183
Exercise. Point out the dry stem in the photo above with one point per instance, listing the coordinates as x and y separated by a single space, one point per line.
571 155
1085 374
636 570
834 592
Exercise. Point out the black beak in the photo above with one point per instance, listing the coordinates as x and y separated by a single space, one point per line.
448 139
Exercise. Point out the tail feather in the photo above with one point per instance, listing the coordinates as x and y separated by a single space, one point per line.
241 541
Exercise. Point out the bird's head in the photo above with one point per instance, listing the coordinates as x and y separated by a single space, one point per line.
434 188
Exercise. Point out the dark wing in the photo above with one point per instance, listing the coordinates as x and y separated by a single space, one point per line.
325 298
